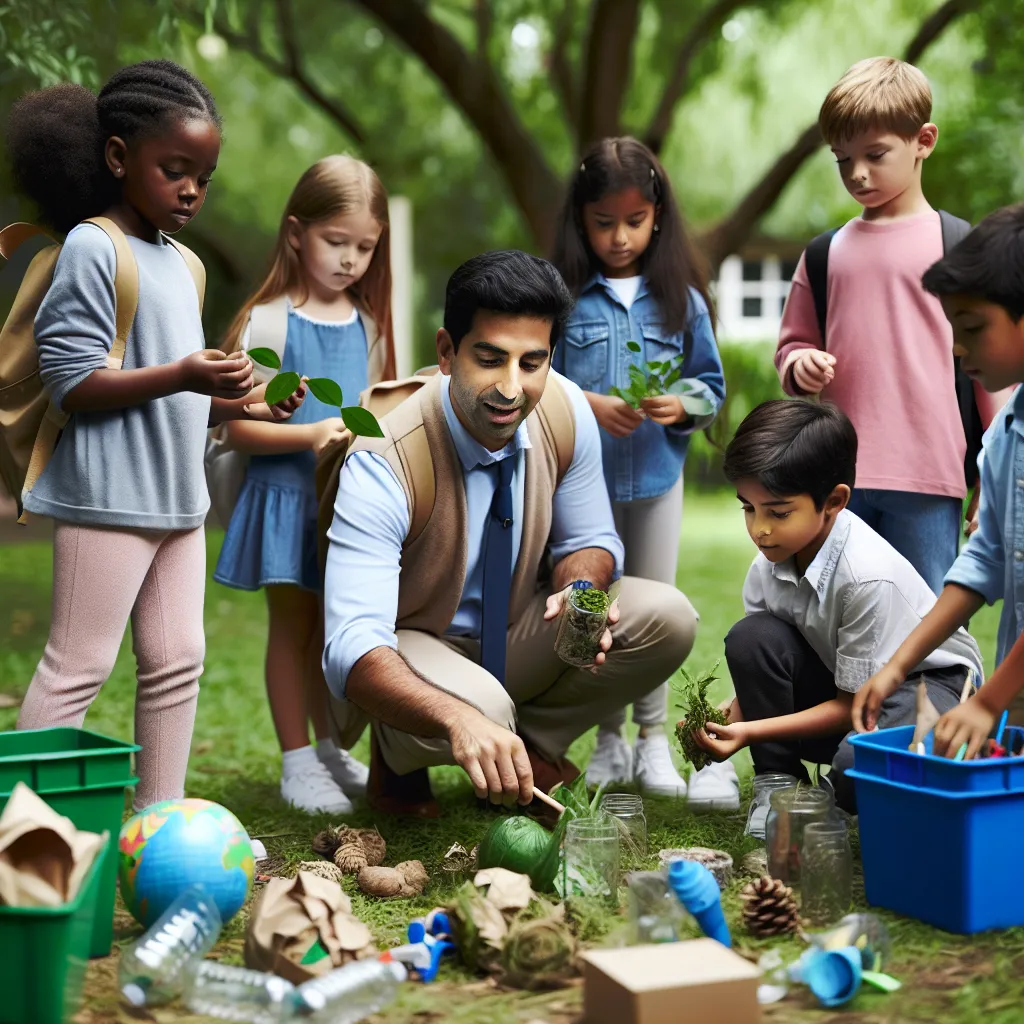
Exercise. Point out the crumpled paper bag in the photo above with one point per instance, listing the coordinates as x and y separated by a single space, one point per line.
291 915
43 858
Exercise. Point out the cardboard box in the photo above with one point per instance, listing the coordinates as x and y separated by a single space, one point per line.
696 982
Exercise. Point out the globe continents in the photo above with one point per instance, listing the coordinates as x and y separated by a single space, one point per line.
172 845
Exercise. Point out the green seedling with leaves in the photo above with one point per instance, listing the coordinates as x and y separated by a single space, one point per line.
651 379
693 694
357 419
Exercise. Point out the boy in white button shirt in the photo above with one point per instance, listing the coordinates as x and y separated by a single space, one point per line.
827 602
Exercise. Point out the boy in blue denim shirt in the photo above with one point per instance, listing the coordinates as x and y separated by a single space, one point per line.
981 286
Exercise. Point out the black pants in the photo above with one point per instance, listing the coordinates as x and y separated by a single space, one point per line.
776 672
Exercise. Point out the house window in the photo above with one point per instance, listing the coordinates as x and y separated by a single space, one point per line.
753 270
787 268
751 307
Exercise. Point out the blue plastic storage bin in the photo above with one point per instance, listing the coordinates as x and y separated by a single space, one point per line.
940 840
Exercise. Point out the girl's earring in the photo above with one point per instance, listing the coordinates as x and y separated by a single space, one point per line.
657 227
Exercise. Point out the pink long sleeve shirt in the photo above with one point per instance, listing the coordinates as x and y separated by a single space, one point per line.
894 373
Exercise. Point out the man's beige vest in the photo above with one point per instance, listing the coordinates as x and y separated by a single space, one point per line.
418 446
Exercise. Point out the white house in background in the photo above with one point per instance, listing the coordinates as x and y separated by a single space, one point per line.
751 289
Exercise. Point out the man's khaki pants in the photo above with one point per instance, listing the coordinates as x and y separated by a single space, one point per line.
544 700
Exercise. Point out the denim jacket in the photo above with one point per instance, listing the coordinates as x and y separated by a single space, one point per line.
992 562
593 353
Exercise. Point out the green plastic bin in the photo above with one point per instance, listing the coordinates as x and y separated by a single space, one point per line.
44 951
83 776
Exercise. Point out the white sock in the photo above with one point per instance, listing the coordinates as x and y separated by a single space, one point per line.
326 748
295 761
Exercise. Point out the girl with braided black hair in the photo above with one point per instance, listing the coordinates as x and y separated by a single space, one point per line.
126 486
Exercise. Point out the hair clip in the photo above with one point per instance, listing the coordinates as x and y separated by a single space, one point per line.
653 175
583 167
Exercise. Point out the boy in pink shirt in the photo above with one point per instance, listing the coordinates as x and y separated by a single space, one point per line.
886 359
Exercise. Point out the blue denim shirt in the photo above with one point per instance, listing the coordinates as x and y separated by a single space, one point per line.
992 562
593 353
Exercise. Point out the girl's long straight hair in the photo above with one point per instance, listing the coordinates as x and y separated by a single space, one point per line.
333 185
668 264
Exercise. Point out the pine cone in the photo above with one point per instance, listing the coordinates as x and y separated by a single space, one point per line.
322 869
351 858
373 846
769 908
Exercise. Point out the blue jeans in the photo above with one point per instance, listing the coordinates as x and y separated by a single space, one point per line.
923 528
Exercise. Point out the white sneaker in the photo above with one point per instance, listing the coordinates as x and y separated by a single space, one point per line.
351 775
611 762
716 787
653 769
313 790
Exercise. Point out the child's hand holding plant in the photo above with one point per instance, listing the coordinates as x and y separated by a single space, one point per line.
259 409
656 391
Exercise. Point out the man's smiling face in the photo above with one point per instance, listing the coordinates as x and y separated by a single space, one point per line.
497 374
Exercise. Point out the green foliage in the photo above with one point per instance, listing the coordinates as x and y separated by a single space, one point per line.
326 390
283 385
361 421
697 712
592 600
265 357
648 379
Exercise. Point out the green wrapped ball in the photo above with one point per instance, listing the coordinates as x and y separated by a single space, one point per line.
522 845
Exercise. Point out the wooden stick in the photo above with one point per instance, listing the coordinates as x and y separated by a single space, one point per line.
550 801
968 685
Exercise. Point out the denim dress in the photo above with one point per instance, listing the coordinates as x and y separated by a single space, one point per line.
272 534
593 353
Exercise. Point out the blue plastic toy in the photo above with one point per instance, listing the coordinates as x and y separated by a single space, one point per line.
695 887
429 940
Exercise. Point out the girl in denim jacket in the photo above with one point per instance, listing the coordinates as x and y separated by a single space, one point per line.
624 253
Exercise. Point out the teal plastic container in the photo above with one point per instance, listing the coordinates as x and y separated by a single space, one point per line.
83 776
44 952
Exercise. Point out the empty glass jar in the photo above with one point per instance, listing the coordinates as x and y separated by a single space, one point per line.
628 809
590 863
764 785
792 810
826 872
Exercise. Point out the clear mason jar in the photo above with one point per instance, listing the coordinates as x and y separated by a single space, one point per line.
826 872
792 810
591 858
579 630
764 785
628 809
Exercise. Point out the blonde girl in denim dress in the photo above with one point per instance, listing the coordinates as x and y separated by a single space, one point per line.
331 269
624 253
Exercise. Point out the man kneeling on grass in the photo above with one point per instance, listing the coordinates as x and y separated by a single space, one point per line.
827 602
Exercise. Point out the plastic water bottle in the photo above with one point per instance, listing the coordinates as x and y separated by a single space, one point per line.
153 970
239 994
350 993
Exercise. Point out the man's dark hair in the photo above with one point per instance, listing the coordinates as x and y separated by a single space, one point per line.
509 282
56 136
988 264
792 447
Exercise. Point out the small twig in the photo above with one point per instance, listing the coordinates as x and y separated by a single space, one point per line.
550 801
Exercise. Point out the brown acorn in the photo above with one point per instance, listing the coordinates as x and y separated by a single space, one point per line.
350 858
769 908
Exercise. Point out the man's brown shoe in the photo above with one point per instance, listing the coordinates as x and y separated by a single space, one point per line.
406 795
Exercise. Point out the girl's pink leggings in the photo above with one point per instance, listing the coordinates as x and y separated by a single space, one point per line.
101 576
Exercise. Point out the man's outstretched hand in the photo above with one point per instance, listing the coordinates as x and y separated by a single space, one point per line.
494 758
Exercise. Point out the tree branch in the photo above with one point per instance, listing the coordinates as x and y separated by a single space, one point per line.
606 67
476 89
290 68
484 23
708 21
730 233
561 72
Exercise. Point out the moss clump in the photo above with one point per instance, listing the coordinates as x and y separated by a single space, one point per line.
698 712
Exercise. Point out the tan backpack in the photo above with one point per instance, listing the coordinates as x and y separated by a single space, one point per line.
556 419
30 423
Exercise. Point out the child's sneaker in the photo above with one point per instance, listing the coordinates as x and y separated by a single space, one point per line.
351 775
715 787
653 769
313 790
612 760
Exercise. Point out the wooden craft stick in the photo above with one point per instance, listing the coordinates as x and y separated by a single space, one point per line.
968 685
550 801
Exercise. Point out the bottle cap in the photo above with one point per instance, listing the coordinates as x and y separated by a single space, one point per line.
135 994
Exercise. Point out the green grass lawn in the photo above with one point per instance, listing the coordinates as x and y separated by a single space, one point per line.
235 761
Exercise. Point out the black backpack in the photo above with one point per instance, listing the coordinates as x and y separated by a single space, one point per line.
953 231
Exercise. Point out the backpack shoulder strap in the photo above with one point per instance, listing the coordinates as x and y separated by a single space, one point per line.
126 288
816 265
558 421
268 325
413 449
954 230
195 268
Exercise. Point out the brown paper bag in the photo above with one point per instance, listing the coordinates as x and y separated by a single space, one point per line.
291 915
43 858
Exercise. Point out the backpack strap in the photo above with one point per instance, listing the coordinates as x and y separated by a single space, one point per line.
413 450
195 268
954 230
816 265
126 288
558 421
268 328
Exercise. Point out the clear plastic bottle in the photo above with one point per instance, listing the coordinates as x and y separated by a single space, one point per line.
225 992
152 971
350 993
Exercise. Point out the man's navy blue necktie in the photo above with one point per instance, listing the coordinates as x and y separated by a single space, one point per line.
497 574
